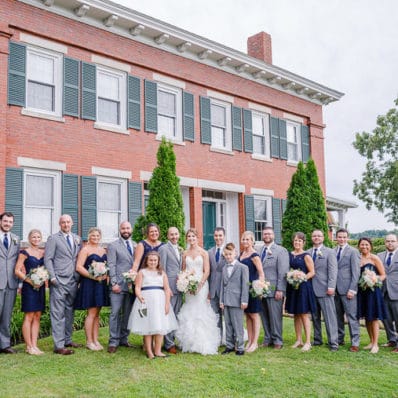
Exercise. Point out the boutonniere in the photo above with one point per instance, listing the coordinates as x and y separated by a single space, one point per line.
320 254
180 249
77 241
269 252
14 240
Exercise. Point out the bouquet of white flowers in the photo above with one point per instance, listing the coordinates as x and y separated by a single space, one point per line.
187 282
38 276
295 277
369 280
129 278
98 269
260 288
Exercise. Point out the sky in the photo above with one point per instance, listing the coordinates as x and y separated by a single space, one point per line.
350 46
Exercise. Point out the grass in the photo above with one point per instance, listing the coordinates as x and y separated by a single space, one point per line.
265 373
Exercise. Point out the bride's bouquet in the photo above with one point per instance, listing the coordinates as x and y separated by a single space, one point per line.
295 277
260 288
97 269
369 280
38 276
188 282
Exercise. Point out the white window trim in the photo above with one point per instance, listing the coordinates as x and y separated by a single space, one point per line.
228 127
294 162
267 154
268 200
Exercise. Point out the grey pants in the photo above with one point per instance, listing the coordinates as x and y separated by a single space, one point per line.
233 317
121 304
176 303
7 301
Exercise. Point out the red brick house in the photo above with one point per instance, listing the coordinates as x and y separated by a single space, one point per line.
90 87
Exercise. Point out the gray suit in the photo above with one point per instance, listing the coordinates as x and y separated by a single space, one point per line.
347 280
8 287
275 267
390 292
325 277
60 261
119 260
172 266
234 292
215 282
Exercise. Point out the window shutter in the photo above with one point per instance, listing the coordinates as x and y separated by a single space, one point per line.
205 120
70 199
282 139
249 212
134 105
89 204
284 203
135 201
71 91
14 197
277 219
305 143
16 74
188 118
89 94
151 107
236 128
247 130
274 124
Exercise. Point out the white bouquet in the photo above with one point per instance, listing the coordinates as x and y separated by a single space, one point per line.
295 277
98 269
260 288
38 276
369 280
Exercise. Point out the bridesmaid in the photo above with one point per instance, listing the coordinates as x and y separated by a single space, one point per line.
32 301
251 259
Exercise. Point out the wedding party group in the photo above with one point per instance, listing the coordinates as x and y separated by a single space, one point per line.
195 300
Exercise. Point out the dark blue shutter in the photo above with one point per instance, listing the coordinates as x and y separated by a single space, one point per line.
151 107
134 201
89 94
305 143
282 139
277 219
71 92
249 212
89 204
247 130
134 105
16 74
205 120
188 116
284 203
274 124
236 128
70 199
14 197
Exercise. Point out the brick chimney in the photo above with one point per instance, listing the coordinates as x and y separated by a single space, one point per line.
259 46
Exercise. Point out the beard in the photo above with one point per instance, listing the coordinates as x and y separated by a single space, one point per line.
126 235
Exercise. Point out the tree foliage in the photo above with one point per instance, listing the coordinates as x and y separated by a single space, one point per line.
165 206
379 184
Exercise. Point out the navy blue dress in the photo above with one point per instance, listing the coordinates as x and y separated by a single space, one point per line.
254 306
92 293
148 248
301 300
370 303
32 300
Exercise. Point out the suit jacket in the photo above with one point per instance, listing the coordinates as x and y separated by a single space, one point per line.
325 271
275 266
171 265
215 272
119 261
60 259
390 284
348 270
235 289
8 259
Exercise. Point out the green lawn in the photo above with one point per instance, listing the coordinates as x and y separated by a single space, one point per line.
265 373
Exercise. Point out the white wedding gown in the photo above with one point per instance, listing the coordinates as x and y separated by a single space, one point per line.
197 330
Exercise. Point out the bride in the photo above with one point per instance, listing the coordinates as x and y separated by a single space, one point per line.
197 331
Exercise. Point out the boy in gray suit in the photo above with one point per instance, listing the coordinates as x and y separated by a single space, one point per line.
9 251
234 297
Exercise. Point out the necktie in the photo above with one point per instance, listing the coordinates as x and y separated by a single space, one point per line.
69 242
339 254
264 253
314 254
128 247
218 254
5 241
388 262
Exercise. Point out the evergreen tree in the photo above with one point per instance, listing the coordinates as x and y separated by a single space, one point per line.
165 205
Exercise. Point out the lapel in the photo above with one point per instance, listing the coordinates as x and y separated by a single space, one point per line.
3 249
234 268
171 248
123 247
64 242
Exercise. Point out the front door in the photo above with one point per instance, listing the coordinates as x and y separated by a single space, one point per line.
209 223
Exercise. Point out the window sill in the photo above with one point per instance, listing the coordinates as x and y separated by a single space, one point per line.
293 163
173 140
220 150
54 118
113 129
263 158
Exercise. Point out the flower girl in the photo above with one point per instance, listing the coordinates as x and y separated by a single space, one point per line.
152 316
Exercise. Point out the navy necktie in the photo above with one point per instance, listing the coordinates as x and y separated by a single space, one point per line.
5 241
264 253
314 254
339 254
128 247
69 242
218 254
388 262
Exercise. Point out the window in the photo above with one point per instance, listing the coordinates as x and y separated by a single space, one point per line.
44 80
42 201
111 97
220 205
169 112
220 125
262 215
112 206
260 125
293 141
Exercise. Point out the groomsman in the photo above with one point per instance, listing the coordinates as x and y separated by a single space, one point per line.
275 261
9 251
217 262
348 261
324 285
390 289
170 259
120 259
60 257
